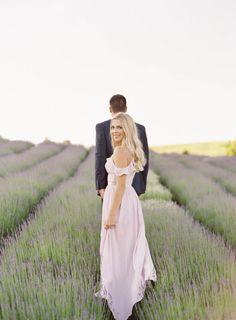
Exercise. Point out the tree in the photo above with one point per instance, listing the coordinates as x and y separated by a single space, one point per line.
231 148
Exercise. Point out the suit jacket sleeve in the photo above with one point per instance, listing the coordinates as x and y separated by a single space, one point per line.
146 151
100 158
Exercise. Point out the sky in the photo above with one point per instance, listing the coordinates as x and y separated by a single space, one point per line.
174 61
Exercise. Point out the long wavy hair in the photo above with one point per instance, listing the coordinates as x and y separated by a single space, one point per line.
131 139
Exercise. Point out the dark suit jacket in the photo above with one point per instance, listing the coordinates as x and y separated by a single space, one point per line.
104 150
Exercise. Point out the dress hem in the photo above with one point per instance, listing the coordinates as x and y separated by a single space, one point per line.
104 294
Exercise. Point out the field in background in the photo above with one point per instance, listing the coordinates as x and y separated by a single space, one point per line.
215 148
50 220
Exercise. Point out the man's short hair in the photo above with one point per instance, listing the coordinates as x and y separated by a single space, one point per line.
118 103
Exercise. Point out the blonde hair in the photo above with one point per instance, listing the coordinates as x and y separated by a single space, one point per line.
131 139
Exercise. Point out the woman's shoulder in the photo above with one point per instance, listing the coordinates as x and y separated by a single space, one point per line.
122 151
122 156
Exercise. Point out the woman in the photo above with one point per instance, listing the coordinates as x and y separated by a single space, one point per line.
125 262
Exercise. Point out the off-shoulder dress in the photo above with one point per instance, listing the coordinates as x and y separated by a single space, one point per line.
126 266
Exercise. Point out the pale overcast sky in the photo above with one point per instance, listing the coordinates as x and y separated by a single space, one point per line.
61 61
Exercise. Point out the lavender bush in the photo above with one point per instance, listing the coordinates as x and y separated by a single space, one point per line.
20 192
27 159
50 269
228 163
224 177
2 140
155 190
204 198
14 147
196 272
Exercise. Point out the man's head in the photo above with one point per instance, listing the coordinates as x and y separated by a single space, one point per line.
117 104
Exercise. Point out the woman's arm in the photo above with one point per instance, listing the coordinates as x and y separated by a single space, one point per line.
120 188
121 159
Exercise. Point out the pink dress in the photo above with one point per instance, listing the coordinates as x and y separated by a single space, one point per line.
125 262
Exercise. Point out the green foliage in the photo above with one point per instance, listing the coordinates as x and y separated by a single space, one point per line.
155 190
67 142
231 148
214 148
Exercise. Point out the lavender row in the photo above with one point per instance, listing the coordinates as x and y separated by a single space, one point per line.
14 147
2 140
205 199
27 159
53 263
196 272
155 190
20 192
222 176
228 163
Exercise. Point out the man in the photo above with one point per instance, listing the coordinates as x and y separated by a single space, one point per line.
104 149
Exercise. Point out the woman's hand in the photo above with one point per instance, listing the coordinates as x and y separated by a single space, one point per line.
110 222
101 192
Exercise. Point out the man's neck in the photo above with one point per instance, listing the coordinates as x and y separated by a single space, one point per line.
113 114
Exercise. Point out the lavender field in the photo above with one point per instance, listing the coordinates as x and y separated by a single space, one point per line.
50 221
